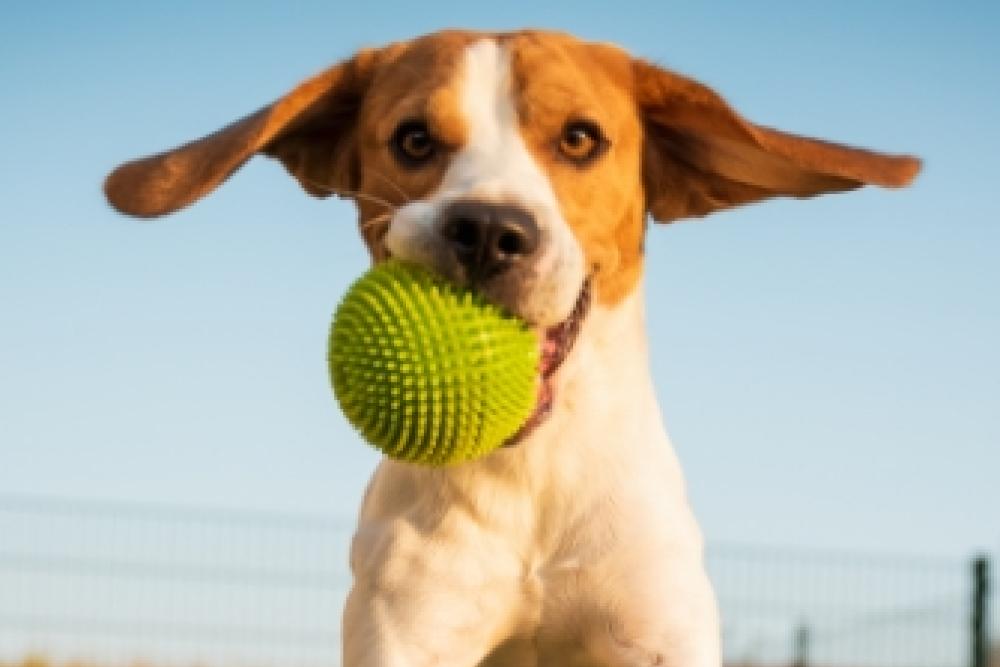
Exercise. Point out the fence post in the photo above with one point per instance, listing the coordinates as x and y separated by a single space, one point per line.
800 645
980 610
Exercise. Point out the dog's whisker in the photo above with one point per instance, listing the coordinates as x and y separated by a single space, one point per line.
373 230
383 219
406 198
372 198
352 194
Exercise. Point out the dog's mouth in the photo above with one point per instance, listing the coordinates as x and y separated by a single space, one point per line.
556 343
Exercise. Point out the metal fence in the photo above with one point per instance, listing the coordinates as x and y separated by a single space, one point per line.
831 609
111 584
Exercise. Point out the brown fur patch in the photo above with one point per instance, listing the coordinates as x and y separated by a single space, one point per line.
415 80
701 156
310 130
559 79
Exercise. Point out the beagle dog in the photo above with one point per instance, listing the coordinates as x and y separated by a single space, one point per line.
525 164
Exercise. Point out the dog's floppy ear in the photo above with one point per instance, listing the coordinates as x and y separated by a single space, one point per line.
311 130
701 156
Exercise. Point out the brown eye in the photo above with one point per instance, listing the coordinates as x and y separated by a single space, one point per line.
582 141
412 143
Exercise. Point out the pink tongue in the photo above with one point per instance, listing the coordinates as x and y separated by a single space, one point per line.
549 355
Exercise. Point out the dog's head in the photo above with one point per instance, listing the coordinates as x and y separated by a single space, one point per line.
524 163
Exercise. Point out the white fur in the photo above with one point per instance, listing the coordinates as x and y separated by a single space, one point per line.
495 165
575 547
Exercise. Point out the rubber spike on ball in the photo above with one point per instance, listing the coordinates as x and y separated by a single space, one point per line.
427 371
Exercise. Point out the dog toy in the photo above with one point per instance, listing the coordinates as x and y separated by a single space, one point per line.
429 372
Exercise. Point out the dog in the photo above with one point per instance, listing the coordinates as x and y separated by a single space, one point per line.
525 165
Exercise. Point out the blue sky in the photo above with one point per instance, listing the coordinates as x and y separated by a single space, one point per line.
829 370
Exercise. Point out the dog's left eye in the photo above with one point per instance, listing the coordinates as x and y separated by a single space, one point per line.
413 143
582 141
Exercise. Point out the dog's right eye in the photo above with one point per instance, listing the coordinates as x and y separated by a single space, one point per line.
412 143
582 141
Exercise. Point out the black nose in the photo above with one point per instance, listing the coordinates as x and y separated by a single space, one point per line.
488 239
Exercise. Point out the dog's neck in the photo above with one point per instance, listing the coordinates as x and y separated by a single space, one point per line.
608 369
605 406
605 391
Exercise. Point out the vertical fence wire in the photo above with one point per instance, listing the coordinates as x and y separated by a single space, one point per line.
114 584
830 609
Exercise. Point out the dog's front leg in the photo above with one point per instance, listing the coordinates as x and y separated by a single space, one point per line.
422 626
658 611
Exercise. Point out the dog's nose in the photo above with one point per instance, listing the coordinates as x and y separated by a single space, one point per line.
488 239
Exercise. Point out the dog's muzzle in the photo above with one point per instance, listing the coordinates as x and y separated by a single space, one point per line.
489 239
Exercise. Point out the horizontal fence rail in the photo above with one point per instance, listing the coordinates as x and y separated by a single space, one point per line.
115 583
828 609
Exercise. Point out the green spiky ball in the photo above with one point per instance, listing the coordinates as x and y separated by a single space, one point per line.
429 372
